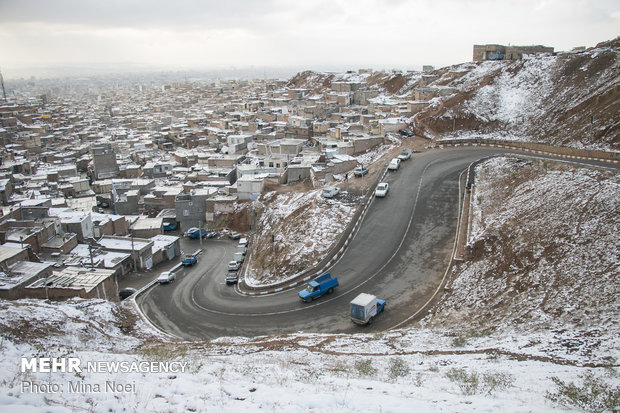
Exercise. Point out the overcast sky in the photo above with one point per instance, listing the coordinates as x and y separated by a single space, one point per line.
313 34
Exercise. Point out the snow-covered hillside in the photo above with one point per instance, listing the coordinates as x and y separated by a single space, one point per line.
568 100
400 371
304 226
545 254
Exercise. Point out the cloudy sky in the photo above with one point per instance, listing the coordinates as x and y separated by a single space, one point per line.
313 34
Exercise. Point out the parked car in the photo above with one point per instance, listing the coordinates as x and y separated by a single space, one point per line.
394 164
330 192
189 260
382 189
360 171
243 241
405 154
126 292
241 249
234 266
406 132
232 278
239 257
194 233
170 226
166 277
212 234
234 235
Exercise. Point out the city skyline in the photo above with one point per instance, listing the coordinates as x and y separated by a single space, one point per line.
317 35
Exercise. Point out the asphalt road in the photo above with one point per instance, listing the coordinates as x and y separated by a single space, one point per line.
400 254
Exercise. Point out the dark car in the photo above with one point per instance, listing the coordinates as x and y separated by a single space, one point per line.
406 132
126 292
232 278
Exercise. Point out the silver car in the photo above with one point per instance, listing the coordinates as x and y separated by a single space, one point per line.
166 277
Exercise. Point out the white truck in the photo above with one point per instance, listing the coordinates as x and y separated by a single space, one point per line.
365 307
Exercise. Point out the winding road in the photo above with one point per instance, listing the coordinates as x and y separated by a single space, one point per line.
400 253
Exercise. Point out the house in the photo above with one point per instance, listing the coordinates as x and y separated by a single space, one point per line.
191 207
75 282
79 223
6 190
147 227
165 248
250 186
139 248
17 276
104 161
84 255
10 253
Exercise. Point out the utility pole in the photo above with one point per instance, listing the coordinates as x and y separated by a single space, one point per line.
3 90
362 184
273 244
90 250
133 254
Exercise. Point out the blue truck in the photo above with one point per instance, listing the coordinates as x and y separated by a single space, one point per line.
365 307
189 260
318 286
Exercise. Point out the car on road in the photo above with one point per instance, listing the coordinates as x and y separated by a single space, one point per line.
330 192
365 307
211 234
234 265
394 164
232 278
189 260
126 292
194 233
382 189
360 171
405 154
166 277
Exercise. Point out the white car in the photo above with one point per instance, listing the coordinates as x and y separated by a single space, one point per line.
382 189
405 154
234 266
330 191
166 277
394 164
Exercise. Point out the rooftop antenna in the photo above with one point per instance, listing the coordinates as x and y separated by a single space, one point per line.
3 90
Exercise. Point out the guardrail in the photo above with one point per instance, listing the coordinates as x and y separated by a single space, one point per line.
537 148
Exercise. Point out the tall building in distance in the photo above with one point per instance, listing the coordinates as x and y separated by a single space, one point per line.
104 160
